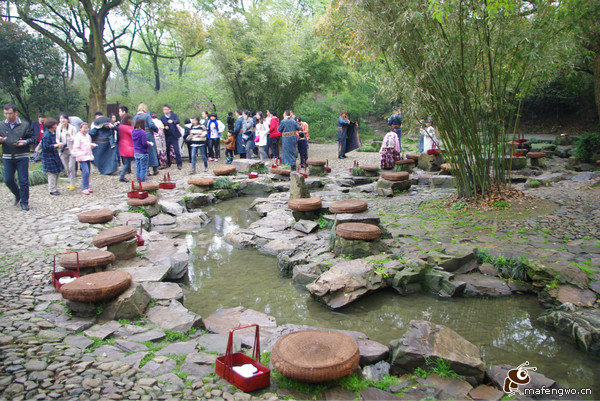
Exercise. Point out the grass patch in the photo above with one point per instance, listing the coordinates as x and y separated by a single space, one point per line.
510 268
586 267
259 168
99 343
358 172
534 184
438 366
222 183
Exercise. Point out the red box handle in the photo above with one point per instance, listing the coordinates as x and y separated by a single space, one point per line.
141 223
229 353
64 253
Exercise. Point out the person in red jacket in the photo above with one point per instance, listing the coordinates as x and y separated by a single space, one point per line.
274 134
126 146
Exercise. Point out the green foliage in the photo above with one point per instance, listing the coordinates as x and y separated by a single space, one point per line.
442 368
99 310
146 359
534 184
358 172
511 268
325 224
586 267
419 371
459 205
222 183
259 168
368 147
588 147
501 204
382 271
98 343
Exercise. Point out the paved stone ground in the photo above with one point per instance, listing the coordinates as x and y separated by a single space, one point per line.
44 355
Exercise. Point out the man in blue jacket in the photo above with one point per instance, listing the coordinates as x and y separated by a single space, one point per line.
240 145
172 134
15 137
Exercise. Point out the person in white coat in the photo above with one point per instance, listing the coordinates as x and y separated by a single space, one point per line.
65 133
261 133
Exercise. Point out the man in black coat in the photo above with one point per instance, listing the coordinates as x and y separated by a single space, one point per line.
172 134
15 137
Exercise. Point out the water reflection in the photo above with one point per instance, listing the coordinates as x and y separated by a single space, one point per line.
505 328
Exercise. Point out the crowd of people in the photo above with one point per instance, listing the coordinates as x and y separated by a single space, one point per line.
152 143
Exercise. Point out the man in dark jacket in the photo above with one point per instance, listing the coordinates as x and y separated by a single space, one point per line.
172 134
240 144
37 128
15 137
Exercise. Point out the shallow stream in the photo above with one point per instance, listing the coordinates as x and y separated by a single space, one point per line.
504 328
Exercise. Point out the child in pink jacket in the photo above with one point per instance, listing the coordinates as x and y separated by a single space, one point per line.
82 149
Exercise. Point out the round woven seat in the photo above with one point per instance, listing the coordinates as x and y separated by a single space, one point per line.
147 186
97 216
305 204
315 356
404 161
280 171
358 231
150 200
202 181
227 169
87 259
348 206
536 155
113 236
446 167
412 157
369 167
316 162
395 176
97 287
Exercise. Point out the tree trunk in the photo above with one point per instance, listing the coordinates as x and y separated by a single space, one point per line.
181 61
125 83
97 99
156 73
597 82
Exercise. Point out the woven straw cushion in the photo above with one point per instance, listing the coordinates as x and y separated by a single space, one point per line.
224 170
446 167
147 186
202 182
358 231
113 236
316 162
536 155
348 206
370 167
150 200
405 161
97 287
315 356
395 176
87 259
412 157
96 216
305 204
280 171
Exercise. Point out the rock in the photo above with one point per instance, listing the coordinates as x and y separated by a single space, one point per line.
489 270
164 291
5 340
287 260
346 282
479 285
334 393
225 194
585 176
442 181
372 352
564 151
306 226
367 217
141 271
452 257
183 348
373 394
544 274
243 165
425 340
35 365
102 331
582 326
173 253
383 186
565 140
484 392
130 346
197 370
276 246
201 358
442 283
268 342
218 343
255 187
498 373
306 273
196 201
225 319
550 297
123 217
174 317
451 387
159 366
358 248
408 280
377 371
81 342
129 305
317 171
163 223
191 221
150 335
124 250
241 238
430 162
170 207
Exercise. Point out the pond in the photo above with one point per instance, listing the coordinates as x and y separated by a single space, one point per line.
504 328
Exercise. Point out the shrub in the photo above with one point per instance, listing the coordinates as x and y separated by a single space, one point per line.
358 172
534 184
222 183
588 146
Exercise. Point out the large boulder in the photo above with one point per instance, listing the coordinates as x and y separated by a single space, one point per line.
243 165
409 279
430 162
442 283
255 187
298 188
544 274
172 253
345 282
225 319
174 317
428 341
550 297
164 291
453 258
191 221
479 285
358 248
582 326
129 305
163 223
171 207
124 250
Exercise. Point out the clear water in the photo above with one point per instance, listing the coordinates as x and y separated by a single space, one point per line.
504 328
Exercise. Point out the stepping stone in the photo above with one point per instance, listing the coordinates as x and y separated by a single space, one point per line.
280 171
113 236
102 331
348 206
536 155
305 204
537 159
130 346
97 287
316 162
412 157
358 231
405 161
224 170
202 181
370 167
164 291
87 259
148 186
150 200
81 342
395 176
98 216
151 335
147 272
